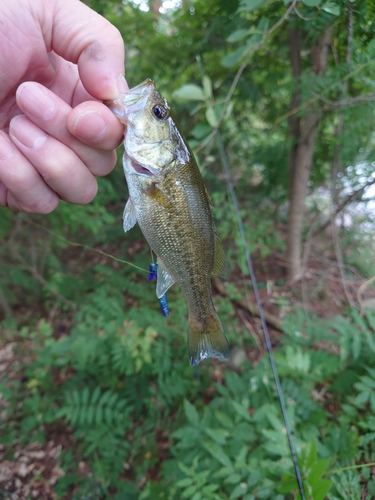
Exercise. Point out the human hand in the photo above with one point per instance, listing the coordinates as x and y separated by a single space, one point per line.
58 60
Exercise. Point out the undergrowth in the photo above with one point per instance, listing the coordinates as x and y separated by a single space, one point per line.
118 381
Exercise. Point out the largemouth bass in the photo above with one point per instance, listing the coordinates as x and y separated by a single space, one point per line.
169 201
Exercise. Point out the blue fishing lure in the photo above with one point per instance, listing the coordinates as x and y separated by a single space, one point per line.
153 274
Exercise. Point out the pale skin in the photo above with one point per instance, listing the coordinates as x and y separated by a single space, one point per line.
58 61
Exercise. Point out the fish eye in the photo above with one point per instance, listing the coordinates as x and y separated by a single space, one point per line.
160 112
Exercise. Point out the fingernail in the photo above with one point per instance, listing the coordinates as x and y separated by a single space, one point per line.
7 148
34 100
90 126
122 84
23 130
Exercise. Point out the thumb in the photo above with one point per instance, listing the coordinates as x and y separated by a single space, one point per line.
80 35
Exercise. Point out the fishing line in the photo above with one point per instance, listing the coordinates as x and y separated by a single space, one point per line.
86 247
280 394
152 256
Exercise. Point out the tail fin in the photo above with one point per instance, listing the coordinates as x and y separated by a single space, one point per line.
206 340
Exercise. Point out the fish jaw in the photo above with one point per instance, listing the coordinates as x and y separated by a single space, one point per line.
132 101
149 141
132 166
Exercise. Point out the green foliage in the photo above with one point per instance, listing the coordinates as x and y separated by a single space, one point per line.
121 375
316 487
102 364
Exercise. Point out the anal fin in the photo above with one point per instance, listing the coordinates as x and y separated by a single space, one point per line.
164 280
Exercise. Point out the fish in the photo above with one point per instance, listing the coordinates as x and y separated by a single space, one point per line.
168 199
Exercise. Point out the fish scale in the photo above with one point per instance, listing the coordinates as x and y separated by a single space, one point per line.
168 199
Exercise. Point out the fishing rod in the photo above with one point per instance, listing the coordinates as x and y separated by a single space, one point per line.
267 338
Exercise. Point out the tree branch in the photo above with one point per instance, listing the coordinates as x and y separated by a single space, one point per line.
248 306
319 96
241 69
352 197
38 276
330 105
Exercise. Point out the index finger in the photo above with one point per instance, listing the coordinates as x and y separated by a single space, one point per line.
82 36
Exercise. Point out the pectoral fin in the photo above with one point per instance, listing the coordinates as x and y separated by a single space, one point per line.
129 216
164 280
157 195
221 262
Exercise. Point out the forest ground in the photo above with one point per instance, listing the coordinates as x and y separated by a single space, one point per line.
35 469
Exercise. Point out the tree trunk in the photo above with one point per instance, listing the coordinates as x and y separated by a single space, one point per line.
154 6
295 43
304 136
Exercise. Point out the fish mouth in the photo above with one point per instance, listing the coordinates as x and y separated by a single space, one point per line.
144 170
132 101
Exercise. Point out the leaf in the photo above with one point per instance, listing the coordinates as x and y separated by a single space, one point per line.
370 340
211 117
239 491
217 452
210 488
197 496
241 410
318 470
218 435
288 483
367 438
224 419
234 57
95 395
228 110
312 3
189 492
85 395
331 8
234 478
104 399
191 413
190 92
99 415
76 398
250 5
237 35
321 488
187 481
367 382
201 130
90 415
357 345
241 457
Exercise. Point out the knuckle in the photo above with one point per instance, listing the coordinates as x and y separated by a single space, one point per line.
18 178
44 207
56 169
116 34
